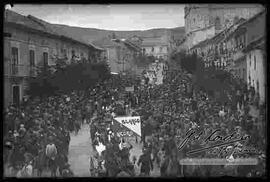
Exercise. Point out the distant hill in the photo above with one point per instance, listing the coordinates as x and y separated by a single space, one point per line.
92 34
87 35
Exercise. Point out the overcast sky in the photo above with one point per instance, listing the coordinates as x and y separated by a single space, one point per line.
110 17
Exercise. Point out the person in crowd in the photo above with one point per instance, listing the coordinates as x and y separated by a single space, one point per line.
51 153
178 111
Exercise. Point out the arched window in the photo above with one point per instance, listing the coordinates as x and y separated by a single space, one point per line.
217 23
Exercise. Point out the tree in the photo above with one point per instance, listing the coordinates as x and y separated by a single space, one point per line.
76 76
143 60
40 85
191 63
211 80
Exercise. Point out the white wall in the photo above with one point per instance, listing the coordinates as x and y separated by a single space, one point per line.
258 73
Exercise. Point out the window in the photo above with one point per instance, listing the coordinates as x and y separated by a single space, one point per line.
160 49
45 59
235 20
254 62
72 53
152 49
32 58
14 60
14 55
217 23
65 52
16 94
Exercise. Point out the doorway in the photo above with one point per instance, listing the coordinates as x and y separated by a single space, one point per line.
16 94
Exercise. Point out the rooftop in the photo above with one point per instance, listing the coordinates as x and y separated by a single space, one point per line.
32 22
154 41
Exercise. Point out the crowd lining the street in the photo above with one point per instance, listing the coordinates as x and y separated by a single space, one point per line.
167 112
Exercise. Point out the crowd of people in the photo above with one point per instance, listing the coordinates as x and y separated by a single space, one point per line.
174 108
168 111
37 134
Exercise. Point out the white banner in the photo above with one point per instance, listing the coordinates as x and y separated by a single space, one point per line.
129 89
132 123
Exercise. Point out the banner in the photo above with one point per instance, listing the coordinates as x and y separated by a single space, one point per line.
156 73
127 126
129 89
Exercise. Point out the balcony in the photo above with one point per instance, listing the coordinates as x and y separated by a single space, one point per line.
19 70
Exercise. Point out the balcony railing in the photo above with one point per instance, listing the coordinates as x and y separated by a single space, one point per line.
19 70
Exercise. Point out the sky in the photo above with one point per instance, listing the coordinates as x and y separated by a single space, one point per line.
109 17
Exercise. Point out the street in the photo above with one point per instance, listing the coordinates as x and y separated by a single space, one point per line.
80 149
105 87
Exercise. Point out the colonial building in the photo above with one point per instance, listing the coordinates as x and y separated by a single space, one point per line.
247 47
255 53
203 21
218 51
32 44
121 54
157 46
176 37
240 49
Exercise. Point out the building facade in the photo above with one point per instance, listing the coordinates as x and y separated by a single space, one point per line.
203 21
121 54
239 49
31 46
159 46
256 53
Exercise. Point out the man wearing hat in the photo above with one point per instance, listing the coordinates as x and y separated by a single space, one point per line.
146 163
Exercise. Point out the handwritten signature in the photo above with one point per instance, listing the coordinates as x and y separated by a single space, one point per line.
217 139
